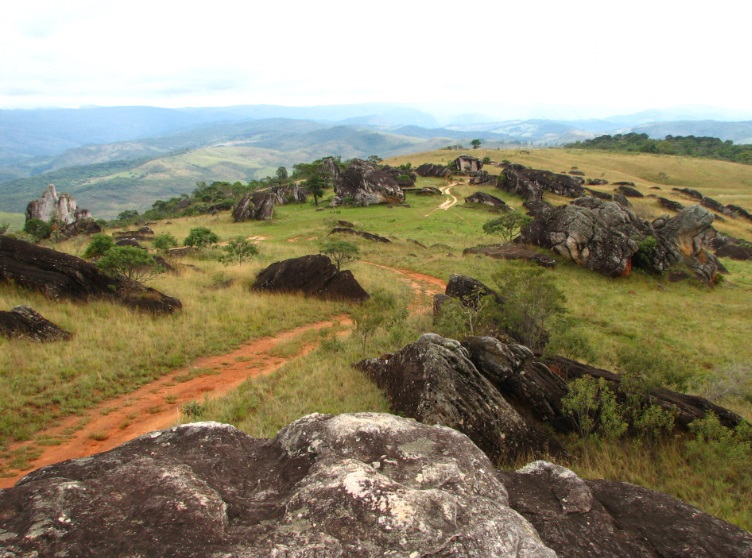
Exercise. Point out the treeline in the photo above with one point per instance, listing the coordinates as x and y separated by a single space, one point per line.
690 146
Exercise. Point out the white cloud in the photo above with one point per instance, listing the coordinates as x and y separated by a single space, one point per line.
583 53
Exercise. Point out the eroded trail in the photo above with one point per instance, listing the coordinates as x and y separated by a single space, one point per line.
451 199
157 405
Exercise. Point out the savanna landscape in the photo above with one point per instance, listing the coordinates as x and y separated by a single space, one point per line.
260 361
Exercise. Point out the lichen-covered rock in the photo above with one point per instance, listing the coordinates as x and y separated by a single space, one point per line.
467 164
434 381
313 275
487 199
627 189
532 183
715 205
607 519
670 204
53 207
430 169
481 177
469 290
25 323
58 275
364 184
739 211
255 206
364 485
689 192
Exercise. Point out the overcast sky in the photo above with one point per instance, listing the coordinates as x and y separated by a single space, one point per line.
595 57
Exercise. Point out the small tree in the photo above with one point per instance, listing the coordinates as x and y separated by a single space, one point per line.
38 229
475 143
100 244
130 261
340 251
200 237
315 184
238 250
282 174
165 241
508 226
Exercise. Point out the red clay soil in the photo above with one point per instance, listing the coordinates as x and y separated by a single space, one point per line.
157 405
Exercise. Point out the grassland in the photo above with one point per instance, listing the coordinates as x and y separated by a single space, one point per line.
705 330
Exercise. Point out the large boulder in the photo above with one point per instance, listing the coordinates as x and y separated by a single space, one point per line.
430 169
363 485
606 519
25 323
254 206
487 199
62 276
739 211
580 234
404 178
313 275
287 193
532 183
466 164
364 184
61 208
434 381
468 290
715 205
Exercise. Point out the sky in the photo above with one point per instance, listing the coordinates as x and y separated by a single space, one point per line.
579 58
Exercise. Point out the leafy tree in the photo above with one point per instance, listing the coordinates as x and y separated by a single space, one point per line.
238 250
282 174
315 185
38 229
100 244
508 226
475 143
134 263
374 160
165 241
340 251
532 304
200 237
128 216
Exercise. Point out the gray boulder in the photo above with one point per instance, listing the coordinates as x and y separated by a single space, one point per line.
255 206
434 381
25 323
487 199
350 486
364 184
532 183
466 164
53 207
430 169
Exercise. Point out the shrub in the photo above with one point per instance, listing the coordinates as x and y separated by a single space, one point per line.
164 242
508 226
200 237
238 250
645 254
100 244
382 310
134 263
38 229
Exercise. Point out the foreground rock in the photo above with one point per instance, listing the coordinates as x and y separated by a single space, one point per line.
434 381
23 322
362 485
58 275
363 184
313 275
531 183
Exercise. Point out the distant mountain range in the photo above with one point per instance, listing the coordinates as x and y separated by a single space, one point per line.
116 158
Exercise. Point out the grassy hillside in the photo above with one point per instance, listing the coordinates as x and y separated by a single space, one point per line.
641 318
15 220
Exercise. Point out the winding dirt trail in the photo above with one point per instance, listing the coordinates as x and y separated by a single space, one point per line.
156 405
451 199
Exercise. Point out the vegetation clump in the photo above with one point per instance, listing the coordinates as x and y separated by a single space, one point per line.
508 226
200 237
136 264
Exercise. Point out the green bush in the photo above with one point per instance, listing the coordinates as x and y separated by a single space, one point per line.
238 250
165 241
508 226
100 244
200 237
38 229
134 263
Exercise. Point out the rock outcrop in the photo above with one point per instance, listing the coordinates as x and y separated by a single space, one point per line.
694 194
739 211
58 275
23 322
404 178
430 169
628 190
715 205
466 164
481 177
364 485
313 275
363 234
61 208
531 183
671 205
254 206
434 381
468 290
511 252
364 184
487 199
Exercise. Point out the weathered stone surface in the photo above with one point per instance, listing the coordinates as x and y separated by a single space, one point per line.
364 485
670 204
468 290
313 275
286 193
405 179
434 382
25 323
532 183
689 192
467 164
430 169
715 205
51 206
607 519
511 252
58 275
600 195
362 234
481 177
254 206
128 241
735 252
628 191
487 199
425 191
738 211
596 182
364 184
579 233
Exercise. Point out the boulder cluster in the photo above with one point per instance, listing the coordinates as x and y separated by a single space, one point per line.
363 184
63 210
